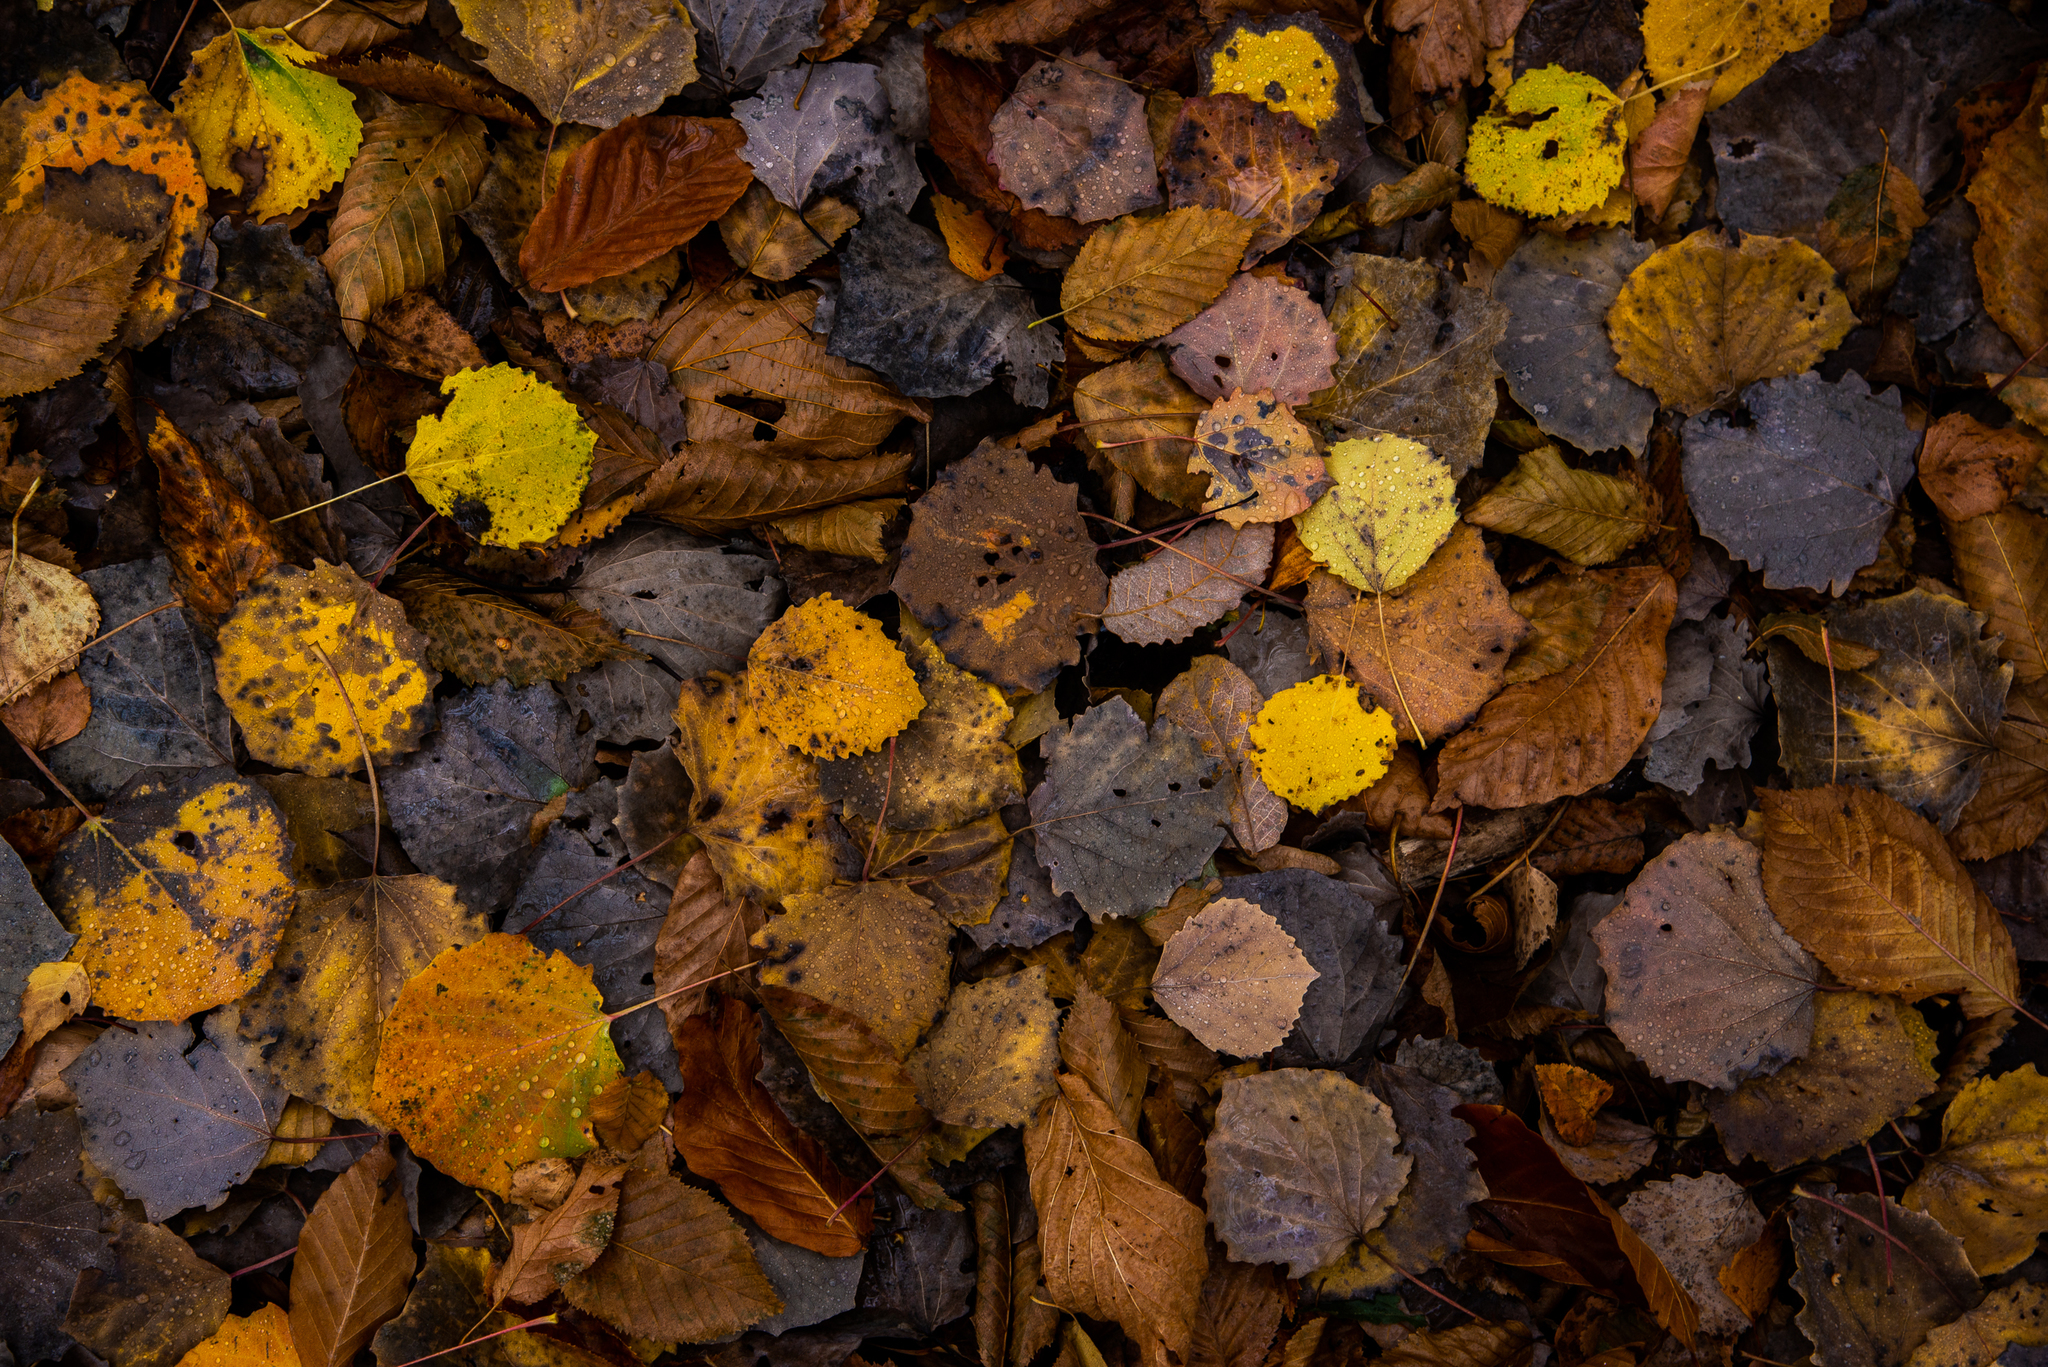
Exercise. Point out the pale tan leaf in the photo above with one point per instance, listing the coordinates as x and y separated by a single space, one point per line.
1234 978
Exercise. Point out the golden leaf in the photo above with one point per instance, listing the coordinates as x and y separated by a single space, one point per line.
824 679
1139 278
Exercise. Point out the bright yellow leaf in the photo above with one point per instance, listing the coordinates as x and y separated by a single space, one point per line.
490 1058
177 895
1286 69
1316 743
1391 504
1732 41
251 101
1555 147
263 1339
827 681
507 460
273 670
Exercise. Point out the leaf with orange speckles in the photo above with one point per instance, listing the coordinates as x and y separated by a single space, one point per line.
177 894
490 1059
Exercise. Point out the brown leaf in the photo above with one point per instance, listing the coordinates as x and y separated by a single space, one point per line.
1215 701
768 239
2002 565
851 1067
1229 152
1141 420
1139 278
1442 43
1878 896
354 1262
219 544
2012 249
50 713
628 1111
631 193
63 288
964 98
1187 584
1969 469
1261 334
718 486
479 636
1593 836
1558 736
729 1130
1238 1316
1659 154
840 26
2010 809
1071 140
1118 1244
560 1244
336 30
416 80
1432 652
704 934
678 1267
993 1261
1095 1045
982 33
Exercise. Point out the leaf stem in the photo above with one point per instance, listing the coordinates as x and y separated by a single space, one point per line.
1422 941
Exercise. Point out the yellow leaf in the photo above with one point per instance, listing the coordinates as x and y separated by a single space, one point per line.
1699 319
263 1339
754 804
1733 41
490 1059
177 895
346 952
877 950
1233 978
507 460
991 1061
1572 1098
1391 505
974 247
1555 147
250 100
46 615
1989 1183
2015 1315
853 529
1316 743
1284 68
826 680
1586 517
54 994
276 649
1139 278
586 61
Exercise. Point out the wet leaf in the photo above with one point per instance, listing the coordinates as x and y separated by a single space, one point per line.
1722 708
1141 420
816 129
1139 278
478 635
354 1261
1695 1225
1866 1300
55 1228
594 63
1565 160
1737 41
1071 141
255 1340
1225 151
1260 334
852 1067
1316 743
1356 958
157 1302
1560 365
251 100
507 459
824 679
1233 977
489 1059
2002 566
1216 702
1187 583
991 1060
1702 983
1587 517
877 950
1391 503
2010 252
729 1130
49 613
1869 227
1699 320
64 292
1986 1184
768 240
2010 1316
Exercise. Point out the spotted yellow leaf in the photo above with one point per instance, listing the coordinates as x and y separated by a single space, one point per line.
292 645
252 102
826 680
1316 743
1554 147
508 459
1391 504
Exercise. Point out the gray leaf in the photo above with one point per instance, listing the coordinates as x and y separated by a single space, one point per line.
1125 816
1031 912
463 802
679 597
906 311
840 128
812 1286
923 1267
174 1128
1432 1216
1272 648
153 700
1725 710
1938 287
1869 1304
1573 979
1560 365
1357 957
627 700
1806 491
29 935
53 1230
1602 38
740 41
1071 141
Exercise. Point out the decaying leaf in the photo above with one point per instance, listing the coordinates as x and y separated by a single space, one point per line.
1225 151
507 459
1261 461
877 950
1071 141
991 1060
62 291
1390 504
1873 1299
1559 363
251 101
592 64
1986 1183
1215 702
1187 583
1233 977
1587 517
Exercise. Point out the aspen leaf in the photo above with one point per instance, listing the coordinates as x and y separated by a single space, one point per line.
991 1061
1292 64
1229 152
1555 147
1390 504
1233 977
1586 517
1186 584
562 1243
1737 41
593 63
1215 702
1316 743
973 246
875 949
1572 1098
1700 319
1071 141
1139 278
251 98
824 679
1873 1299
307 658
263 1339
177 894
766 239
507 459
2011 1316
1261 461
1141 420
46 614
1988 1184
1260 334
489 1060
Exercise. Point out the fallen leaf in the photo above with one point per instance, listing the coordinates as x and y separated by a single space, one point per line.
1414 356
2001 563
1215 702
972 243
1010 620
417 80
1686 38
1970 469
1126 813
1186 583
1564 161
157 1302
1316 743
49 614
418 168
1916 722
250 101
64 293
1871 1059
1478 1344
1572 1098
1695 1226
1434 651
877 950
742 41
1071 141
1294 64
1139 278
1703 984
1442 43
824 679
264 1337
506 460
2008 1317
1870 225
1233 977
1587 517
2010 808
1558 361
991 1060
1260 334
1866 1300
489 1059
2010 252
863 1076
1357 959
1141 420
591 64
354 1261
963 98
630 194
1226 151
1661 152
984 32
478 635
1725 694
1985 1183
756 806
1699 320
1516 752
770 240
1390 505
561 1244
55 1227
1273 1203
730 1131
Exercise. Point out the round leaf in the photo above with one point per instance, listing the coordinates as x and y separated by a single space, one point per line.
1317 743
825 679
508 459
1555 147
1391 506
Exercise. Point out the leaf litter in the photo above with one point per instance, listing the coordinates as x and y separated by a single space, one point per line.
1219 728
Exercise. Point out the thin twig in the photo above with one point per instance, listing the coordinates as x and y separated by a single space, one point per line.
647 853
1422 941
